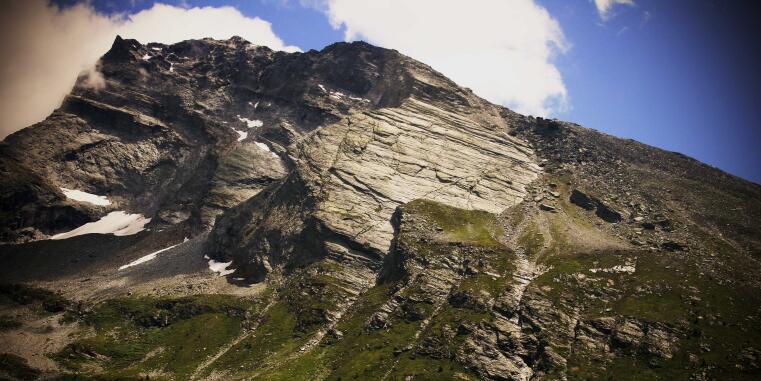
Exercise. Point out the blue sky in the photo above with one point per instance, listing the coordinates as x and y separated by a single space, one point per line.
680 75
687 80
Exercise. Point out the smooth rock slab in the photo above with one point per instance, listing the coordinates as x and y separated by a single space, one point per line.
373 161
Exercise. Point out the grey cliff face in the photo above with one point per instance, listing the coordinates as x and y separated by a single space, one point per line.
358 170
160 138
353 214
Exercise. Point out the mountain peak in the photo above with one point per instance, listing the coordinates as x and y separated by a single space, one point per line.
222 210
121 49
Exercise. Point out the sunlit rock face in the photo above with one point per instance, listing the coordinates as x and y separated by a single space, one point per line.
373 161
353 214
425 138
182 132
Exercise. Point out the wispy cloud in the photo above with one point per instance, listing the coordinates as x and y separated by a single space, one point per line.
646 17
605 7
43 47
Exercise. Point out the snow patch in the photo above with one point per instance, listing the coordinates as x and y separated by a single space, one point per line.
147 57
339 95
148 257
241 134
264 147
251 123
117 223
79 195
359 99
156 49
220 267
628 268
171 67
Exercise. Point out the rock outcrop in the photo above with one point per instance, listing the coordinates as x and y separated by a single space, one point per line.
357 171
374 221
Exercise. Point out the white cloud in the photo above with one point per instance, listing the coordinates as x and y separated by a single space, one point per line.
94 79
646 17
502 49
168 24
604 7
44 48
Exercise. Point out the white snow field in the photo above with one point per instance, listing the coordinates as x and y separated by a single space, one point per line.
264 147
79 195
117 223
241 134
251 123
220 267
147 258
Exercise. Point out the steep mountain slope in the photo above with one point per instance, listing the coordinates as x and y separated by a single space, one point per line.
182 132
353 214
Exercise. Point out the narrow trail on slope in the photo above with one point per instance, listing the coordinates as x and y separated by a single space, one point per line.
226 348
423 326
526 269
320 334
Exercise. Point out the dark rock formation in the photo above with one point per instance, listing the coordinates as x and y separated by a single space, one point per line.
397 227
590 203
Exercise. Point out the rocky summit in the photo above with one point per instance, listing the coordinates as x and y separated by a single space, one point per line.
216 210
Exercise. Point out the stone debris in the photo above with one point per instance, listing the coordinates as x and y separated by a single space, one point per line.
602 210
392 218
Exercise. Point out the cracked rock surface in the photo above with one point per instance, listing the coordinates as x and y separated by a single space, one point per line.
353 214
